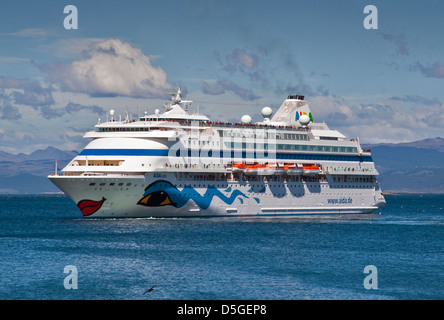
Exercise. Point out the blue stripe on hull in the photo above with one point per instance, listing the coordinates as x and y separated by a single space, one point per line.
232 154
124 152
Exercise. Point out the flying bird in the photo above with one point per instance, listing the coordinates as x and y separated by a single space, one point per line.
150 289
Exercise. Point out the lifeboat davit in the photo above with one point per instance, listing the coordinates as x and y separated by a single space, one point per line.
293 169
271 169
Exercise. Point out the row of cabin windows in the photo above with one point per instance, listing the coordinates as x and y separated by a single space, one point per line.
112 184
224 133
294 147
263 134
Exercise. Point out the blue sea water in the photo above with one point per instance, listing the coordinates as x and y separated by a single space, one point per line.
281 259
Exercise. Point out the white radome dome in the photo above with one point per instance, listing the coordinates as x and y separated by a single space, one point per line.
304 120
246 119
267 112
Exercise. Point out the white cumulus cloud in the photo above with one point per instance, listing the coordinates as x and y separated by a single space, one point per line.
110 68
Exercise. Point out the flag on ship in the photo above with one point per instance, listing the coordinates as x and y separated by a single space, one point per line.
300 113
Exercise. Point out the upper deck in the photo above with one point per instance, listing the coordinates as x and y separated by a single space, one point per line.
293 116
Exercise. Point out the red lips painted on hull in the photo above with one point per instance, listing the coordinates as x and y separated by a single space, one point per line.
88 207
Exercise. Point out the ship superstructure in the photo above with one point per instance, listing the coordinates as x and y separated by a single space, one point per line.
177 164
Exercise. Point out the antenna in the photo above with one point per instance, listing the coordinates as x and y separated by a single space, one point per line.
176 96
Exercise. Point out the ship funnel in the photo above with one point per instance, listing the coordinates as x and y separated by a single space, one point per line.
291 109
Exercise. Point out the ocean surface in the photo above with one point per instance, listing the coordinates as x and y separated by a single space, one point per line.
235 259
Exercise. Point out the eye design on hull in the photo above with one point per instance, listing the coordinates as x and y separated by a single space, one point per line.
156 199
88 207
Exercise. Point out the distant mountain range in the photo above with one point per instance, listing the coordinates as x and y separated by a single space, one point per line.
431 143
27 173
416 167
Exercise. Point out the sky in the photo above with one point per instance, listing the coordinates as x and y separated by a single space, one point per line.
231 58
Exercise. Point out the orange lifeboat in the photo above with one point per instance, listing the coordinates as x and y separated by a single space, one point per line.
238 167
310 169
254 169
272 169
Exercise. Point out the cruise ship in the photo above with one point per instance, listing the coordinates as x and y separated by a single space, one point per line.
175 163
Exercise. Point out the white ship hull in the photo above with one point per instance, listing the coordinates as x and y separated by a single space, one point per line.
115 197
